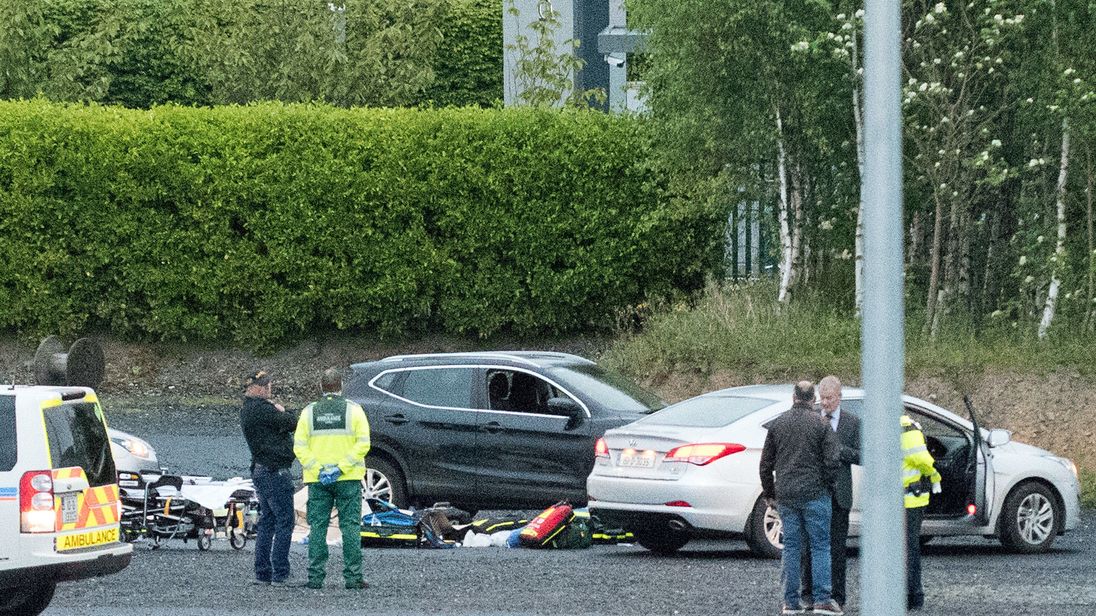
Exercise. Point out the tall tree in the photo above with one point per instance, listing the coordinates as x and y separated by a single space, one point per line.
739 86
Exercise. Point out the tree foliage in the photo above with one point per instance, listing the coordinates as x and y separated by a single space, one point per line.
139 53
758 100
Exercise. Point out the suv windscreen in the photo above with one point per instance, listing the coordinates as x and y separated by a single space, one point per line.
706 412
9 446
78 437
609 389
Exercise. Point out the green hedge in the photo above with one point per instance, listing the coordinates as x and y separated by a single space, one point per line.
263 222
468 69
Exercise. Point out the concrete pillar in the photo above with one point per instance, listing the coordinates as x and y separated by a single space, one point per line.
579 20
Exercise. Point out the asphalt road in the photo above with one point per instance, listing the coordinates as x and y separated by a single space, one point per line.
969 576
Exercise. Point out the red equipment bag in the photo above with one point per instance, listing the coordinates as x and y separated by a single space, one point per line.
549 523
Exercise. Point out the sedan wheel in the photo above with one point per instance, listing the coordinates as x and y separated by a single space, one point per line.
764 531
1030 519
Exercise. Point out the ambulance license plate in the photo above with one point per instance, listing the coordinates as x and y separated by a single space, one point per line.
69 512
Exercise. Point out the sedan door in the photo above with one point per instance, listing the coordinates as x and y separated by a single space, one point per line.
527 456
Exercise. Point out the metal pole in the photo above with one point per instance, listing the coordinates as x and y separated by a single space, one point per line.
882 551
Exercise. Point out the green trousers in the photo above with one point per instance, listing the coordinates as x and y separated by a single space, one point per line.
346 496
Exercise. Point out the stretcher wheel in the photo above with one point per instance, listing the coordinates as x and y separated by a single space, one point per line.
237 539
205 541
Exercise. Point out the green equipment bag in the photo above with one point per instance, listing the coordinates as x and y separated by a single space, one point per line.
574 536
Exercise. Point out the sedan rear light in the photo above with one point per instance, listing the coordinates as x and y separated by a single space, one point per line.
972 509
601 450
678 503
36 512
703 453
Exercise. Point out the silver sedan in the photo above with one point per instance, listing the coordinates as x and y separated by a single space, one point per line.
691 470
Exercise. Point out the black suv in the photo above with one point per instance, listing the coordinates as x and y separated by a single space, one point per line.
490 430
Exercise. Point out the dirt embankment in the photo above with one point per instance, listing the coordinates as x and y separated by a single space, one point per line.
1051 410
216 373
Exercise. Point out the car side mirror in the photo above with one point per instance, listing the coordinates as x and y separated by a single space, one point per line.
998 437
567 407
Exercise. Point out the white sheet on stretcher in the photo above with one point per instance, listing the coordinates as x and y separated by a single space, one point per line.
213 494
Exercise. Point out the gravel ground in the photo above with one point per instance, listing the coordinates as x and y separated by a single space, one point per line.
969 576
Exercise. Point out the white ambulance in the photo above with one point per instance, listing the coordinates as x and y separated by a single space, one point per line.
59 505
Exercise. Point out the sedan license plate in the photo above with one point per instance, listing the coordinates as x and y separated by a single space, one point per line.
636 461
69 513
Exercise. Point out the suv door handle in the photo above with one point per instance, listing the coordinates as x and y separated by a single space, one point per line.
397 419
493 427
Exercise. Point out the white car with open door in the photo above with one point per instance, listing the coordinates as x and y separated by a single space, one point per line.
691 470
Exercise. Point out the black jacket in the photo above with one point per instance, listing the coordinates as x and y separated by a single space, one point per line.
269 432
848 438
800 457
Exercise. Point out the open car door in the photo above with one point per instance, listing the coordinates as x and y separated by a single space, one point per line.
979 473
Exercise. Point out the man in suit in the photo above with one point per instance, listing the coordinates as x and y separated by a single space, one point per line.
847 429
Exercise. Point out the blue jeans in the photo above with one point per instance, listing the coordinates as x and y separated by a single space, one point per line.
276 519
806 523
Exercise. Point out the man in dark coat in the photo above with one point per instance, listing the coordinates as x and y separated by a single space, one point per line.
798 461
847 428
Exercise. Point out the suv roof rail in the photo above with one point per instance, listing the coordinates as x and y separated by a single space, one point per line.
493 354
524 357
558 355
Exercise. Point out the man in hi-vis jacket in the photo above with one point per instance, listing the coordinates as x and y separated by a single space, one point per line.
331 441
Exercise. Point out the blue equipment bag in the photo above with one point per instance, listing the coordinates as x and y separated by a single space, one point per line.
389 526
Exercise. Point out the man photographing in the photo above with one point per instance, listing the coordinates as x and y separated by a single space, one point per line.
268 430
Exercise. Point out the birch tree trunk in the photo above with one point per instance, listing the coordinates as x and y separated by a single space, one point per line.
1090 310
989 276
916 235
796 196
786 254
1060 248
934 275
858 120
964 232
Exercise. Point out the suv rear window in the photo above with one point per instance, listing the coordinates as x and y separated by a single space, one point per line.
444 387
9 446
77 437
706 412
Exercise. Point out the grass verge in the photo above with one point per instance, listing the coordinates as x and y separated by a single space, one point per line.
1088 489
742 328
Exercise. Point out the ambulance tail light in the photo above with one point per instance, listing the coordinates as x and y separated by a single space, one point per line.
36 512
